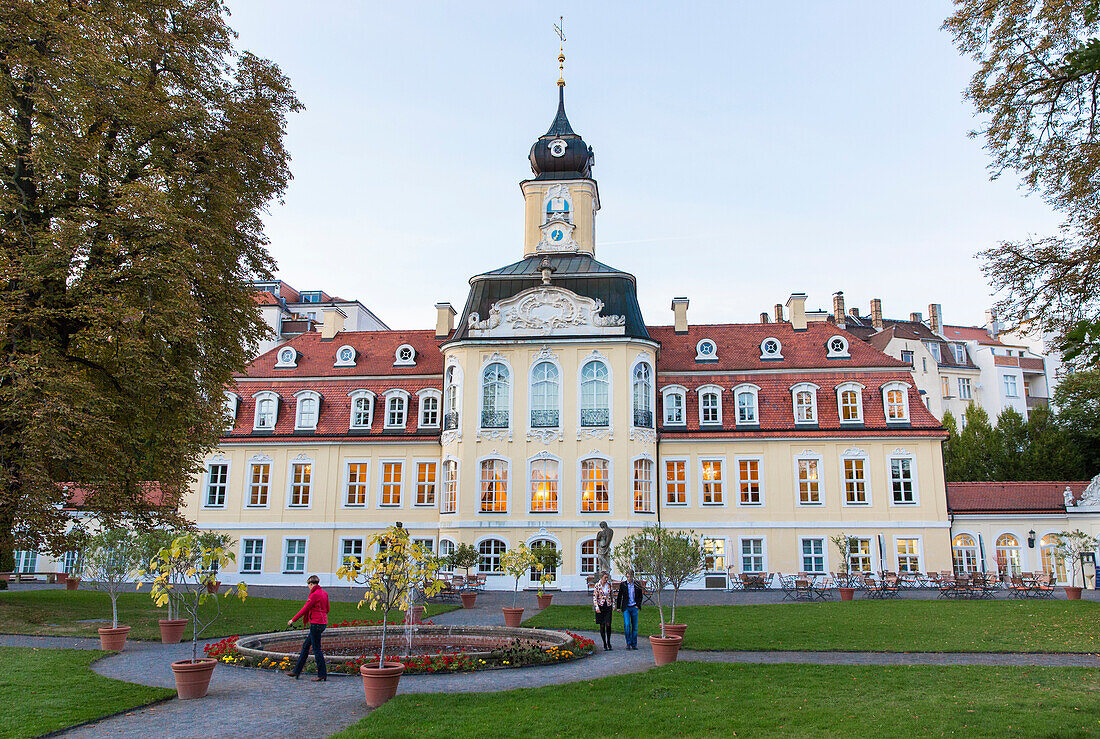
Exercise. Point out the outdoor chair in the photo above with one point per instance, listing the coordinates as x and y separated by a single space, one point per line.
733 581
1044 585
1017 588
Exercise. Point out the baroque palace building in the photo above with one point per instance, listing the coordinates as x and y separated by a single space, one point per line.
553 406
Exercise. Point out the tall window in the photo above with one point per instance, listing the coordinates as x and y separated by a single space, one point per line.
896 407
450 489
908 555
805 406
960 353
850 407
594 486
301 481
748 471
714 555
395 411
544 486
361 411
265 413
643 390
495 383
809 482
1050 560
1011 389
535 574
813 555
450 420
307 412
595 407
709 412
490 551
643 486
964 553
901 480
429 410
674 408
351 549
1008 555
259 481
356 492
675 482
945 385
295 560
252 555
588 557
746 406
446 549
713 484
752 555
26 560
217 478
859 559
494 486
964 388
391 484
855 482
545 389
425 483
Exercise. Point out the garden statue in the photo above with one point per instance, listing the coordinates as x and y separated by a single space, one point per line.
603 548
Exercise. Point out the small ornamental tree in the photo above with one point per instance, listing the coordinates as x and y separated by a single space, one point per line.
151 543
547 561
183 570
845 545
643 552
517 562
684 561
400 567
464 556
1070 546
111 559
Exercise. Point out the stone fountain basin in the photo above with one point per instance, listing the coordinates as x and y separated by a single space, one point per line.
347 643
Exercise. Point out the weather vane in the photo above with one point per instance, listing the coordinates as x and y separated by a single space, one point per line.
559 29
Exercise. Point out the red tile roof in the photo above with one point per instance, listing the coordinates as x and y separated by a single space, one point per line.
375 355
1007 497
79 494
970 333
265 298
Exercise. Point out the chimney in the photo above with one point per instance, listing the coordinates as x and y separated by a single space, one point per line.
796 309
853 312
838 309
916 317
764 317
778 313
680 315
935 317
876 313
334 322
992 324
444 320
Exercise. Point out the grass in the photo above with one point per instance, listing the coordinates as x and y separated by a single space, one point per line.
45 690
56 612
891 626
697 699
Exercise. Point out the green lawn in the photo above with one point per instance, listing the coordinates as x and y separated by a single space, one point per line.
697 699
57 611
44 690
892 626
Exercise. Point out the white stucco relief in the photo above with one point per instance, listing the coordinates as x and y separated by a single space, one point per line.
547 310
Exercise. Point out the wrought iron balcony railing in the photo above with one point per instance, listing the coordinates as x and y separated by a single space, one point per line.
450 420
595 417
494 419
643 419
544 419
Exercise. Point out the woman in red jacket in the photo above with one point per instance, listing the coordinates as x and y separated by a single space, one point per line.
314 613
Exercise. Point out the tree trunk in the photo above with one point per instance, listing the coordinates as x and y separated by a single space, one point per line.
385 625
114 610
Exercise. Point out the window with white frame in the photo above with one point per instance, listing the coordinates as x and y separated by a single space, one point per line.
425 483
544 485
595 394
748 481
495 395
964 388
73 561
309 403
855 481
1050 560
960 353
813 555
849 399
429 409
301 483
746 396
362 409
294 562
217 480
934 350
259 482
710 405
713 482
545 395
252 556
908 551
26 560
392 473
901 480
714 554
837 348
675 482
771 348
351 549
267 411
1008 554
859 557
643 486
396 406
895 399
404 356
355 490
446 549
345 356
805 403
809 480
595 483
964 554
232 404
752 555
588 557
494 486
450 487
673 403
490 551
1011 388
450 420
428 545
706 351
643 395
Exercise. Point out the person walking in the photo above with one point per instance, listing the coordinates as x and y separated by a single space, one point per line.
602 603
629 601
314 614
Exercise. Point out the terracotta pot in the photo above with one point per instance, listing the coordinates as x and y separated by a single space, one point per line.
72 583
212 587
468 600
58 577
665 649
1072 593
113 640
676 630
380 683
193 678
846 593
5 578
171 630
512 616
544 601
415 614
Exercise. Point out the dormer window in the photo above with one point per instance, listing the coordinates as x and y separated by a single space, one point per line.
673 404
267 411
837 348
934 350
804 397
405 356
345 357
747 409
771 348
895 400
397 403
710 405
362 409
960 353
429 408
706 351
232 403
849 399
309 403
287 357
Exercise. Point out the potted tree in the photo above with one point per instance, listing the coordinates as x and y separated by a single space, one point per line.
547 561
644 552
684 561
1070 546
844 545
152 542
465 556
111 559
183 570
516 562
399 565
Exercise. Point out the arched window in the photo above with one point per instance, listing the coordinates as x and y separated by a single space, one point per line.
362 409
446 549
588 557
805 403
396 408
895 400
536 573
594 486
595 396
267 411
544 485
306 415
643 390
1052 562
490 551
710 405
544 395
849 400
1008 555
450 415
747 412
964 554
673 404
494 486
495 387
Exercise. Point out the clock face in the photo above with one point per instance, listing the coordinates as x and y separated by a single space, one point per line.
557 235
557 148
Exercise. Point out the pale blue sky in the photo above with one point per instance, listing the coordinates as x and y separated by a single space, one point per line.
744 150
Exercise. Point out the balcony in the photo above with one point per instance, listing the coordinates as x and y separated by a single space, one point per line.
1034 402
494 419
643 419
450 420
595 417
544 419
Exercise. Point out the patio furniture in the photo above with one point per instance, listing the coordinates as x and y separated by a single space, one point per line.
1044 585
754 580
733 581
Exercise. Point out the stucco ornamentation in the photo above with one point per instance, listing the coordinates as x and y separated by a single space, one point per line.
450 437
647 436
596 433
1090 496
546 310
494 435
544 435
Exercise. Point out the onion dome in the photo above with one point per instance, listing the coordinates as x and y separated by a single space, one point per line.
561 154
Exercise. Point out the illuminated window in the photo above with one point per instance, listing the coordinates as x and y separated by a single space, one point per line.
494 486
259 482
1051 561
850 403
425 483
748 481
676 482
301 475
805 403
391 484
1008 554
859 559
712 482
544 486
964 554
714 555
594 486
908 555
643 486
809 482
355 494
895 398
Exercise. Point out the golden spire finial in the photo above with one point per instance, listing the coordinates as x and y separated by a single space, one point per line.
558 28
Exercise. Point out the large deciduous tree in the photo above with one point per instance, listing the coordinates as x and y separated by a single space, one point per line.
138 149
1077 398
